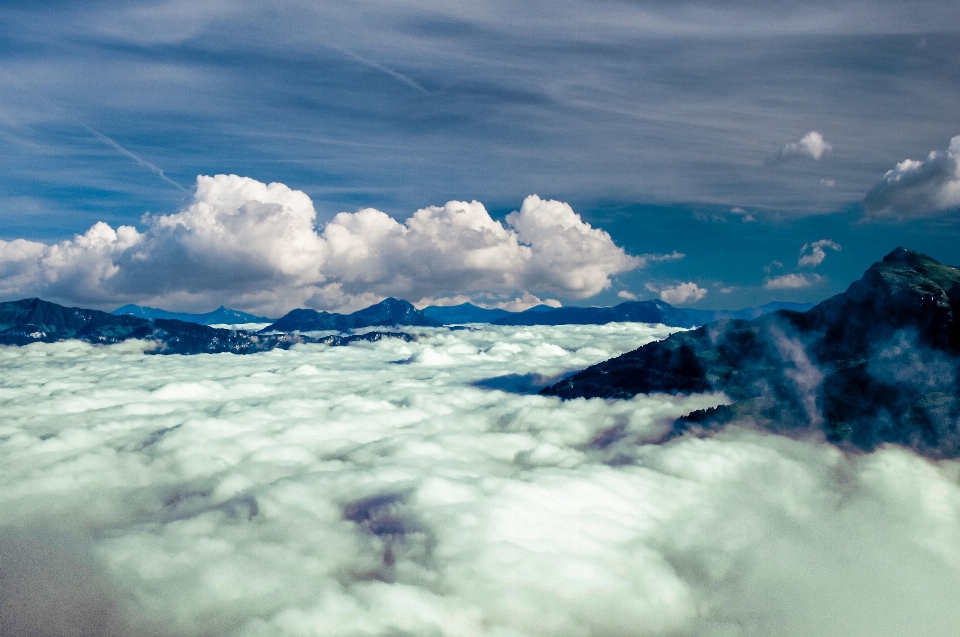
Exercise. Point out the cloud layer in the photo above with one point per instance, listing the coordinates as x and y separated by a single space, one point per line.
377 490
918 188
252 245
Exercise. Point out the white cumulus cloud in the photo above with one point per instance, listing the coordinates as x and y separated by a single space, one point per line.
255 246
813 254
811 145
682 293
918 188
791 281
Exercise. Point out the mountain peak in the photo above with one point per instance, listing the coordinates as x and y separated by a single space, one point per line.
904 255
876 364
389 312
906 272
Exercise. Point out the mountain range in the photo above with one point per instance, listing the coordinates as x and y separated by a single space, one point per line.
387 313
394 313
35 320
220 316
878 363
638 311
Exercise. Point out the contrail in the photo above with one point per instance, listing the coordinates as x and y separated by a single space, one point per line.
103 138
374 65
143 162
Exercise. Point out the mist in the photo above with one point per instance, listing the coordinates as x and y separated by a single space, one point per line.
391 488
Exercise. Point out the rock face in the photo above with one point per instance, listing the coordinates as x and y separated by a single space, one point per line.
388 313
878 363
34 320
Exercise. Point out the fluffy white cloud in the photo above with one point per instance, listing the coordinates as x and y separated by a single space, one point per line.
918 188
660 258
791 281
331 491
253 245
810 145
813 254
683 293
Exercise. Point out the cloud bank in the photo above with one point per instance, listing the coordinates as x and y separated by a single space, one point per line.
377 490
918 188
252 245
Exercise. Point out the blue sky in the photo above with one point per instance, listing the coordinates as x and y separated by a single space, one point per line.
672 126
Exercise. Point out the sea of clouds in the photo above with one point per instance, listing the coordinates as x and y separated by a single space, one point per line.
386 489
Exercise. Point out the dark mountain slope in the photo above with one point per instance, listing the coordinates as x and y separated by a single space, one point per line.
702 317
877 363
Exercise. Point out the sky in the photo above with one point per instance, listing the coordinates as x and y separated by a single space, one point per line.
745 136
384 489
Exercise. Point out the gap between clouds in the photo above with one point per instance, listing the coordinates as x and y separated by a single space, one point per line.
253 245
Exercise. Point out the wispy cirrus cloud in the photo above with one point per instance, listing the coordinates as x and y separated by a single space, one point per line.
813 254
465 101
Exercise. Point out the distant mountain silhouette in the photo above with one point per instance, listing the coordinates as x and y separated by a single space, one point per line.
35 320
635 311
387 313
220 316
879 363
463 313
702 317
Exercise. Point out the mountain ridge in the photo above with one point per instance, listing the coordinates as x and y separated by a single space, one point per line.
389 312
220 316
35 320
878 363
652 311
